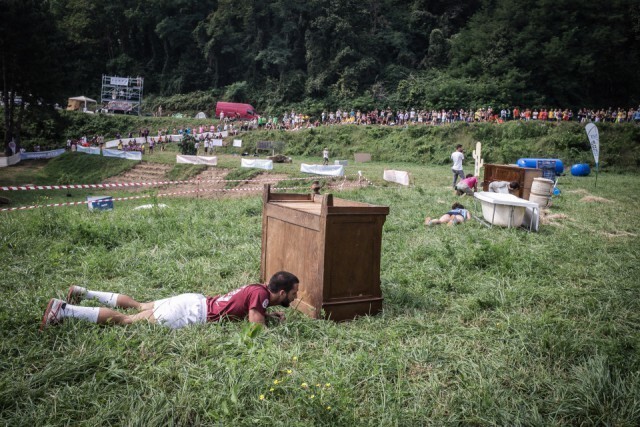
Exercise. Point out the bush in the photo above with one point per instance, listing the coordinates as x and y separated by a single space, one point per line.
188 145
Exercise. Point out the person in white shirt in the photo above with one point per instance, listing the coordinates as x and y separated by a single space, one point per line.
457 157
325 156
503 186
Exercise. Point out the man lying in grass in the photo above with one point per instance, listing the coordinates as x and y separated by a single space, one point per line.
181 310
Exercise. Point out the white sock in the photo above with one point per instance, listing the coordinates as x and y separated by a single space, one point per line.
90 314
106 298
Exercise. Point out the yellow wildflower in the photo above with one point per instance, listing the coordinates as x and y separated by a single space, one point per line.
327 385
289 371
276 382
295 358
312 396
272 389
262 397
328 408
304 385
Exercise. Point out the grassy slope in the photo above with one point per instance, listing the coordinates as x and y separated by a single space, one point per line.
481 326
505 143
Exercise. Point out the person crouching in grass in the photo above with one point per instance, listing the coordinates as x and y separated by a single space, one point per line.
467 186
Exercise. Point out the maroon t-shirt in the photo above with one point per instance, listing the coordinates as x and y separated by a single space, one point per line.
236 304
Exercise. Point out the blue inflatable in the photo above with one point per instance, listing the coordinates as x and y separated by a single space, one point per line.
580 169
534 163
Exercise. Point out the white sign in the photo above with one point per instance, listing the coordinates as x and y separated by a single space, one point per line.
120 81
331 170
216 143
594 140
399 177
129 155
88 150
8 161
237 143
257 163
197 160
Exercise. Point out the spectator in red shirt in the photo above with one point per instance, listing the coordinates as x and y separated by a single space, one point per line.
182 310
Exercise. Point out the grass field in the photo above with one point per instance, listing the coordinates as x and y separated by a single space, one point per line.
480 326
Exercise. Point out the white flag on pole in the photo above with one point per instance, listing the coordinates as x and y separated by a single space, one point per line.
594 140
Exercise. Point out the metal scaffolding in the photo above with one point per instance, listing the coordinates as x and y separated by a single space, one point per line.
123 94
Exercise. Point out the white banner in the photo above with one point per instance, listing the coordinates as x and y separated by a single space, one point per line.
197 160
88 150
42 154
399 177
332 170
120 81
216 143
594 140
8 161
237 143
129 155
257 163
140 139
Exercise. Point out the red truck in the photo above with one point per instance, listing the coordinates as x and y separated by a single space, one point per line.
234 110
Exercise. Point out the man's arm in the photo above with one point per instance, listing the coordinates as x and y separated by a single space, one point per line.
256 317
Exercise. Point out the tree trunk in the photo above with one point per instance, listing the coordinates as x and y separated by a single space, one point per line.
8 101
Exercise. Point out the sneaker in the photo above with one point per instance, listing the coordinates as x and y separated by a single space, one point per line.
52 315
75 294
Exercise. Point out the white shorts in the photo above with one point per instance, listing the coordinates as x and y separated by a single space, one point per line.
181 310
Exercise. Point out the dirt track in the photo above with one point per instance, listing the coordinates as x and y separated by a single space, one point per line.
208 184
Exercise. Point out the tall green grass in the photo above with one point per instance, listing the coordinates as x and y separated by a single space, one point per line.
480 326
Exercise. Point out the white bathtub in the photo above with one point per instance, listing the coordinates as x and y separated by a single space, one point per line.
507 210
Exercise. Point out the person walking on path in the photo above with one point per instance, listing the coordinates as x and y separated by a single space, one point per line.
325 156
457 157
179 311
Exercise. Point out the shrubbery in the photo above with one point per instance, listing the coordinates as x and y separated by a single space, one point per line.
188 145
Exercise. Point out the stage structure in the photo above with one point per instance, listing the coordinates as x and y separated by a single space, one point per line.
122 94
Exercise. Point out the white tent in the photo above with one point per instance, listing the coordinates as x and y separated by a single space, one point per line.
201 115
74 102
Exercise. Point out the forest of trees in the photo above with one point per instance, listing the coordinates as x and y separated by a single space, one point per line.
398 53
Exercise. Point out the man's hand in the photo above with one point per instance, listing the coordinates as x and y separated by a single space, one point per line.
276 315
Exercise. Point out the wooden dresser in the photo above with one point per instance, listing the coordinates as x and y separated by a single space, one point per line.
332 245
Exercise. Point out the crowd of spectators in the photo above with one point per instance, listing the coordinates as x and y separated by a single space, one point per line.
292 121
389 117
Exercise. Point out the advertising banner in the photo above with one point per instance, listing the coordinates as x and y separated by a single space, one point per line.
197 160
42 154
331 170
257 163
